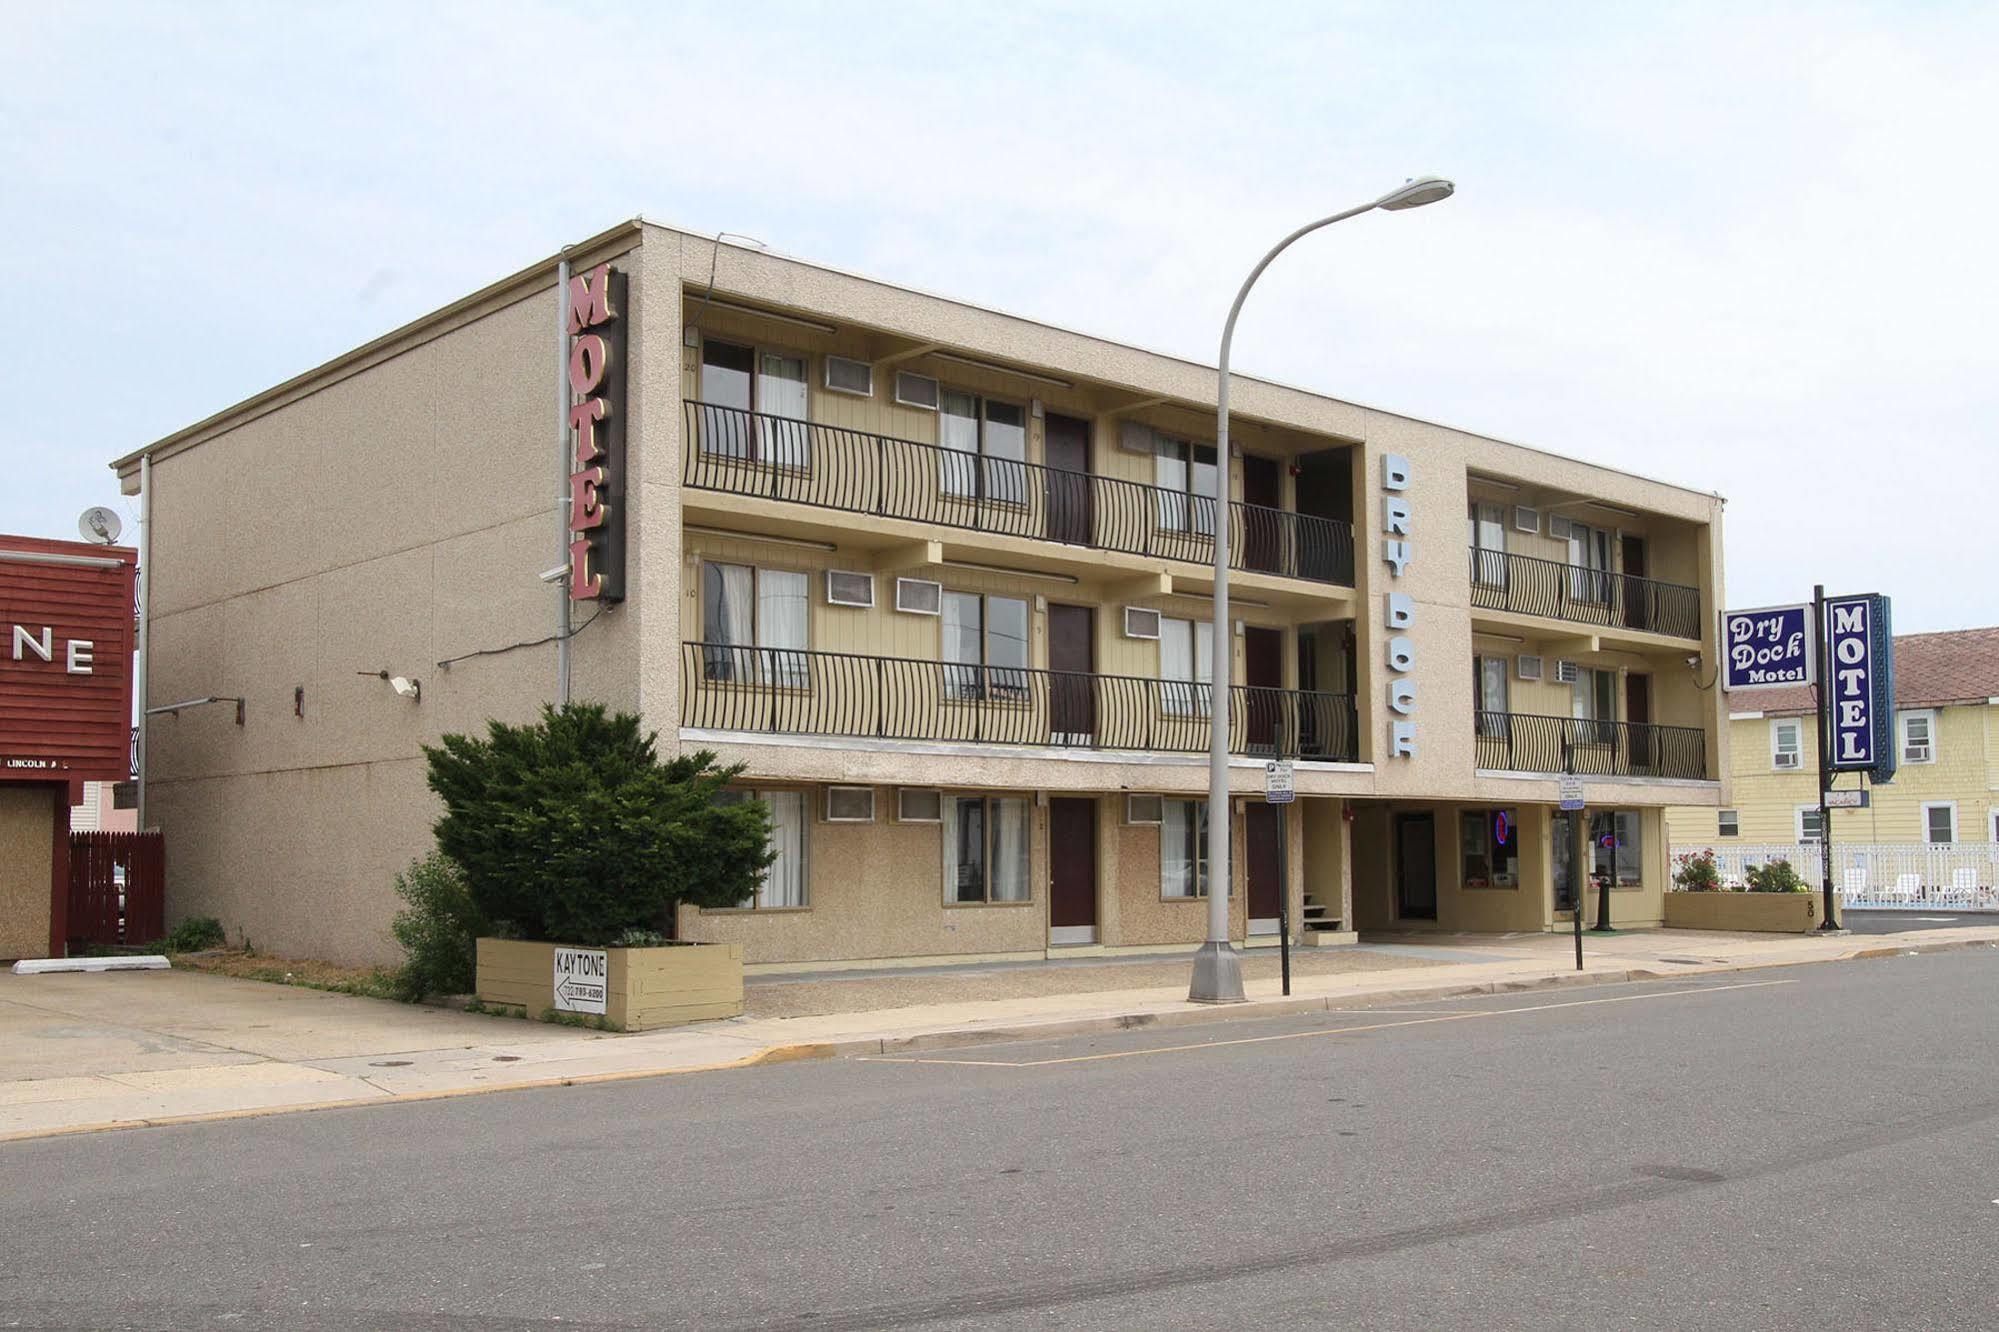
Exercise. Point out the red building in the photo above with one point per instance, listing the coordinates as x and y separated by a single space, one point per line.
66 637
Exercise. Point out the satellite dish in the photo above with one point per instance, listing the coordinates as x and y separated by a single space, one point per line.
100 524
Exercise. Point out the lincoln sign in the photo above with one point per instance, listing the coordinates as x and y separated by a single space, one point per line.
597 434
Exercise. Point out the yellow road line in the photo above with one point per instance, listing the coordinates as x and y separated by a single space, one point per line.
1305 1035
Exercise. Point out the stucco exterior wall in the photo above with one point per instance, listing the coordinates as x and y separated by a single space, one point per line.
27 849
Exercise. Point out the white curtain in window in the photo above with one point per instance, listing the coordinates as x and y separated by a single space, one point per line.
963 628
1180 848
781 611
964 849
1630 860
1006 646
784 881
1169 473
1010 844
1005 447
728 619
1589 558
958 435
1186 665
1488 535
781 393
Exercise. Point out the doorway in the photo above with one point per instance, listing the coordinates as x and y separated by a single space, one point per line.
1263 678
1072 870
1067 480
1639 612
1259 835
1566 832
1323 496
1638 715
1072 666
1263 515
1416 866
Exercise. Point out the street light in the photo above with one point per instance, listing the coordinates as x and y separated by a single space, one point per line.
1217 969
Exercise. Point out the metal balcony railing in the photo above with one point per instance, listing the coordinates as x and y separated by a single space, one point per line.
830 467
1533 586
1521 742
778 690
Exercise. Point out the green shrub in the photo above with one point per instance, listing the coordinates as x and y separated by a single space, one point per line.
194 934
1695 872
1775 877
571 830
438 929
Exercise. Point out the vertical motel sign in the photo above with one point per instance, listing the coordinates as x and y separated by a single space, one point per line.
597 435
1859 686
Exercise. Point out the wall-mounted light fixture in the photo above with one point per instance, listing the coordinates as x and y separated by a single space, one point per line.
402 684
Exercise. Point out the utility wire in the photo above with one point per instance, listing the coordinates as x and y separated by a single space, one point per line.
446 664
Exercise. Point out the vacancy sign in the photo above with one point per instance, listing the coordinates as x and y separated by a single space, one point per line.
1767 648
582 977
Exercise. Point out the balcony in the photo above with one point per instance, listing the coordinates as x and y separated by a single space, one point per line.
851 471
1527 585
725 687
1519 742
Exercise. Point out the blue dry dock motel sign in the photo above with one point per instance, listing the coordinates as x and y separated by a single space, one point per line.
1767 648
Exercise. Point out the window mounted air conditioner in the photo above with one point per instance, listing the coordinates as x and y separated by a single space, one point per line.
915 390
1526 519
1141 623
1790 760
850 804
915 804
1144 810
919 596
846 375
1134 437
1915 753
1559 527
847 588
1527 668
1567 672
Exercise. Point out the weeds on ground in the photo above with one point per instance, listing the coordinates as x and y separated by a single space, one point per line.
368 982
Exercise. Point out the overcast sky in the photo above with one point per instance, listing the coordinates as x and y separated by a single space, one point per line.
1743 247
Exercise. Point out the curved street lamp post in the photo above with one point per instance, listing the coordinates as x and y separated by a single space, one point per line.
1217 969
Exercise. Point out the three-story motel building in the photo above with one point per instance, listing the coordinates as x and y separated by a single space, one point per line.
939 579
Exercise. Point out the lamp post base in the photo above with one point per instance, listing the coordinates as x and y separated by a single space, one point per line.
1217 976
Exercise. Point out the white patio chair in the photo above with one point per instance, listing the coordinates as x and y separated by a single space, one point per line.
1908 887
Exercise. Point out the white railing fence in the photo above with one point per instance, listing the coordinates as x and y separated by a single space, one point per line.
1954 876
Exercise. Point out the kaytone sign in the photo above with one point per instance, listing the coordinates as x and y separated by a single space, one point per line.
1767 648
582 978
1852 674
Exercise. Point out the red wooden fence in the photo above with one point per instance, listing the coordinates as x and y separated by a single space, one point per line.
107 906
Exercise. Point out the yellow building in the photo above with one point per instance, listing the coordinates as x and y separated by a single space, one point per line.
940 579
1946 787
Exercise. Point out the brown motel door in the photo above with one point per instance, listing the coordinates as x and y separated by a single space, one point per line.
1072 663
1072 862
1068 480
1262 514
1263 672
1260 836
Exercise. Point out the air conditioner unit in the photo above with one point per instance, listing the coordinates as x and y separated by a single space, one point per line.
1567 672
1141 623
846 375
1144 810
1916 754
919 596
850 804
1790 760
1527 668
1134 437
915 804
1526 519
1558 527
915 390
847 588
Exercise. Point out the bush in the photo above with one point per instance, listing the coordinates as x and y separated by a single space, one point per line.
194 934
571 830
1776 877
438 930
1695 872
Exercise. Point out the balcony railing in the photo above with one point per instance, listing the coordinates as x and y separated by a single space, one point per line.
1520 742
733 688
830 467
1532 586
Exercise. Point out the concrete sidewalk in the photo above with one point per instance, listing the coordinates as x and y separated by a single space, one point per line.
85 1052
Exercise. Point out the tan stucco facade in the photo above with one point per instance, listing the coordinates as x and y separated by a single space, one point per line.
391 511
28 815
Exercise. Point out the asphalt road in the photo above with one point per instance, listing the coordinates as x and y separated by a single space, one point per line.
1812 1147
1902 921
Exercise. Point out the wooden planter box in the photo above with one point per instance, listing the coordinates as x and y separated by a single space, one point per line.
1779 913
645 988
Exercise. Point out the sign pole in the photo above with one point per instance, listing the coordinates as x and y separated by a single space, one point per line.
1576 896
1284 895
1831 921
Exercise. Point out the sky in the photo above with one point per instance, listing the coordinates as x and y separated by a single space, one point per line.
1743 247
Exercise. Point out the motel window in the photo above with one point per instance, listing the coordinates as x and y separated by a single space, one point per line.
1786 743
1485 532
1810 827
1183 849
1589 564
1593 701
1919 732
1489 844
984 646
1186 666
783 885
1940 823
753 625
1616 852
985 447
1728 823
1185 474
736 381
1489 685
985 849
